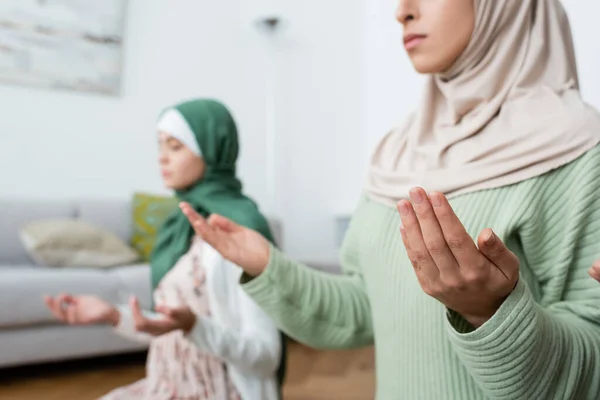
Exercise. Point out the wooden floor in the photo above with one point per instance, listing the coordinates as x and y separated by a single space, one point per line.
312 375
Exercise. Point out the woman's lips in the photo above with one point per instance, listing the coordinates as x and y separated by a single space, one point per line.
411 41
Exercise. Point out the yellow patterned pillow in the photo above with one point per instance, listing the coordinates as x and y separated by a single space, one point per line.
149 213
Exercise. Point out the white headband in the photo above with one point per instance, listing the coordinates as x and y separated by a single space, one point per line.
173 123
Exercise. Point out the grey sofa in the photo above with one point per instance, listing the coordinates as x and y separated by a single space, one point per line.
28 332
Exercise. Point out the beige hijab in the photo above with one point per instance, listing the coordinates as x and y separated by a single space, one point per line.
509 109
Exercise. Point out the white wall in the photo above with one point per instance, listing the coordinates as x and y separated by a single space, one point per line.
583 17
344 81
393 88
320 121
391 84
55 144
59 144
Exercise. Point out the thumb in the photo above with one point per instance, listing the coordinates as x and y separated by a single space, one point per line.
496 251
177 313
165 310
136 312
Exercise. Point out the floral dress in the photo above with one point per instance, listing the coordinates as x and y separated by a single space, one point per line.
176 369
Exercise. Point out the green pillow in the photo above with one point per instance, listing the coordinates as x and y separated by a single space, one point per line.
149 213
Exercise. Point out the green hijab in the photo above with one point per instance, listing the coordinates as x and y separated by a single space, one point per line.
218 192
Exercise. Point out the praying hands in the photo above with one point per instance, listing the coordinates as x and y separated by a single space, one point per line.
470 279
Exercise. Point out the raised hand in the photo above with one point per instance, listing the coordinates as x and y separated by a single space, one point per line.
240 245
172 319
82 310
472 280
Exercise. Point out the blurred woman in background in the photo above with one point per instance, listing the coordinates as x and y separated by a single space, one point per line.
208 340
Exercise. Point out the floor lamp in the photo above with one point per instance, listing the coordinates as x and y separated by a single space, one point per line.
269 27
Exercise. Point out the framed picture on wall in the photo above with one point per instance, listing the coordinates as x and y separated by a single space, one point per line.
63 44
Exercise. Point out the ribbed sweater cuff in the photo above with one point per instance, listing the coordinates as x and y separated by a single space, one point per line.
268 287
495 352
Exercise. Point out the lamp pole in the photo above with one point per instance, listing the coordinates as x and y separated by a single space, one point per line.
269 26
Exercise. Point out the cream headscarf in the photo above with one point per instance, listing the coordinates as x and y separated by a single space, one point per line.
509 109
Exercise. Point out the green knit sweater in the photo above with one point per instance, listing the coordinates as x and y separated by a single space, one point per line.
544 341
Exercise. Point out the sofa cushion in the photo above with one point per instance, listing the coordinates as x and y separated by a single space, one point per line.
14 214
149 214
22 289
74 243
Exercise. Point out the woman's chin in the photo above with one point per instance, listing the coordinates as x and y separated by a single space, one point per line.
426 65
171 185
177 185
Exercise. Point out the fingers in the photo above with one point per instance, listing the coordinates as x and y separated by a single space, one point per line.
215 232
175 313
496 251
72 314
196 220
457 238
189 211
595 271
208 229
218 221
50 302
58 305
200 225
139 320
168 311
433 237
64 298
416 249
215 220
55 308
405 239
153 327
64 308
182 318
219 239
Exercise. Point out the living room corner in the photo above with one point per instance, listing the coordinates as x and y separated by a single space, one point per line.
82 199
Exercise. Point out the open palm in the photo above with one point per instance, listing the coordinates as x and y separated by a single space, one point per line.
81 310
240 245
